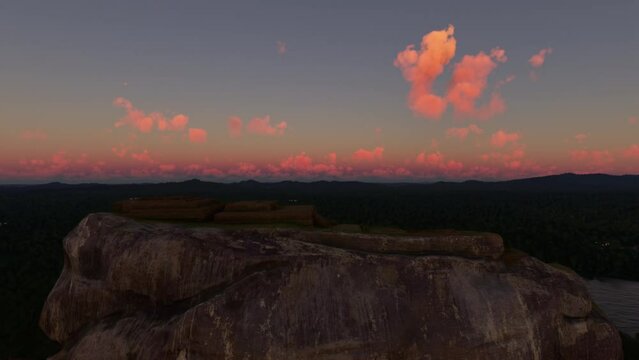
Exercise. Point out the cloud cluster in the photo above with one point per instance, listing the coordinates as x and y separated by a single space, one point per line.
368 155
146 122
421 67
257 125
469 80
436 161
463 132
304 165
501 138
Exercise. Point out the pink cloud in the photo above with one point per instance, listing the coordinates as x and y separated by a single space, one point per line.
35 134
178 122
142 157
499 55
145 122
462 133
501 138
60 160
281 47
119 151
510 160
197 135
421 68
432 159
537 60
632 151
245 169
632 120
235 126
368 155
581 137
262 126
436 161
593 157
58 164
303 164
468 83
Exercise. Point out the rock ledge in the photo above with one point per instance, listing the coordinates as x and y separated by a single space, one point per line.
151 291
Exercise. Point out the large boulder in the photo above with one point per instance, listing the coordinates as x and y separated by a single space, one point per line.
140 291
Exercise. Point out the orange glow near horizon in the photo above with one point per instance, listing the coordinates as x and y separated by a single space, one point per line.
460 141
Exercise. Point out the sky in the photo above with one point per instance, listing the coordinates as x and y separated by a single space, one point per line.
129 91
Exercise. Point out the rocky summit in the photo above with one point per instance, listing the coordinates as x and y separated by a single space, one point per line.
133 290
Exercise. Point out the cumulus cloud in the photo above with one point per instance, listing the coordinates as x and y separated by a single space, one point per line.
468 83
34 134
257 125
501 138
281 47
59 164
499 55
302 164
538 59
262 126
332 158
510 160
178 122
245 169
463 132
144 157
119 151
146 122
421 68
368 155
197 135
436 161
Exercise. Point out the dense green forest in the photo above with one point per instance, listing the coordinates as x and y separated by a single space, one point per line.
591 230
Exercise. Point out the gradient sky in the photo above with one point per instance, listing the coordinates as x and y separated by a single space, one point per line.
120 91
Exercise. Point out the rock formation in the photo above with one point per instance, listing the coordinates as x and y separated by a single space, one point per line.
139 291
196 209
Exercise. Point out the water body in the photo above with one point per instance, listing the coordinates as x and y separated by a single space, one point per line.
619 299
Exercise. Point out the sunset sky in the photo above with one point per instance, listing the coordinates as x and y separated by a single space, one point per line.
126 91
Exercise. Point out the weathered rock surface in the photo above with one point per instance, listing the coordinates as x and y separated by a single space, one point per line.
136 291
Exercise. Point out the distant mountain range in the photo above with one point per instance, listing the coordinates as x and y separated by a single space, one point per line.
563 183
